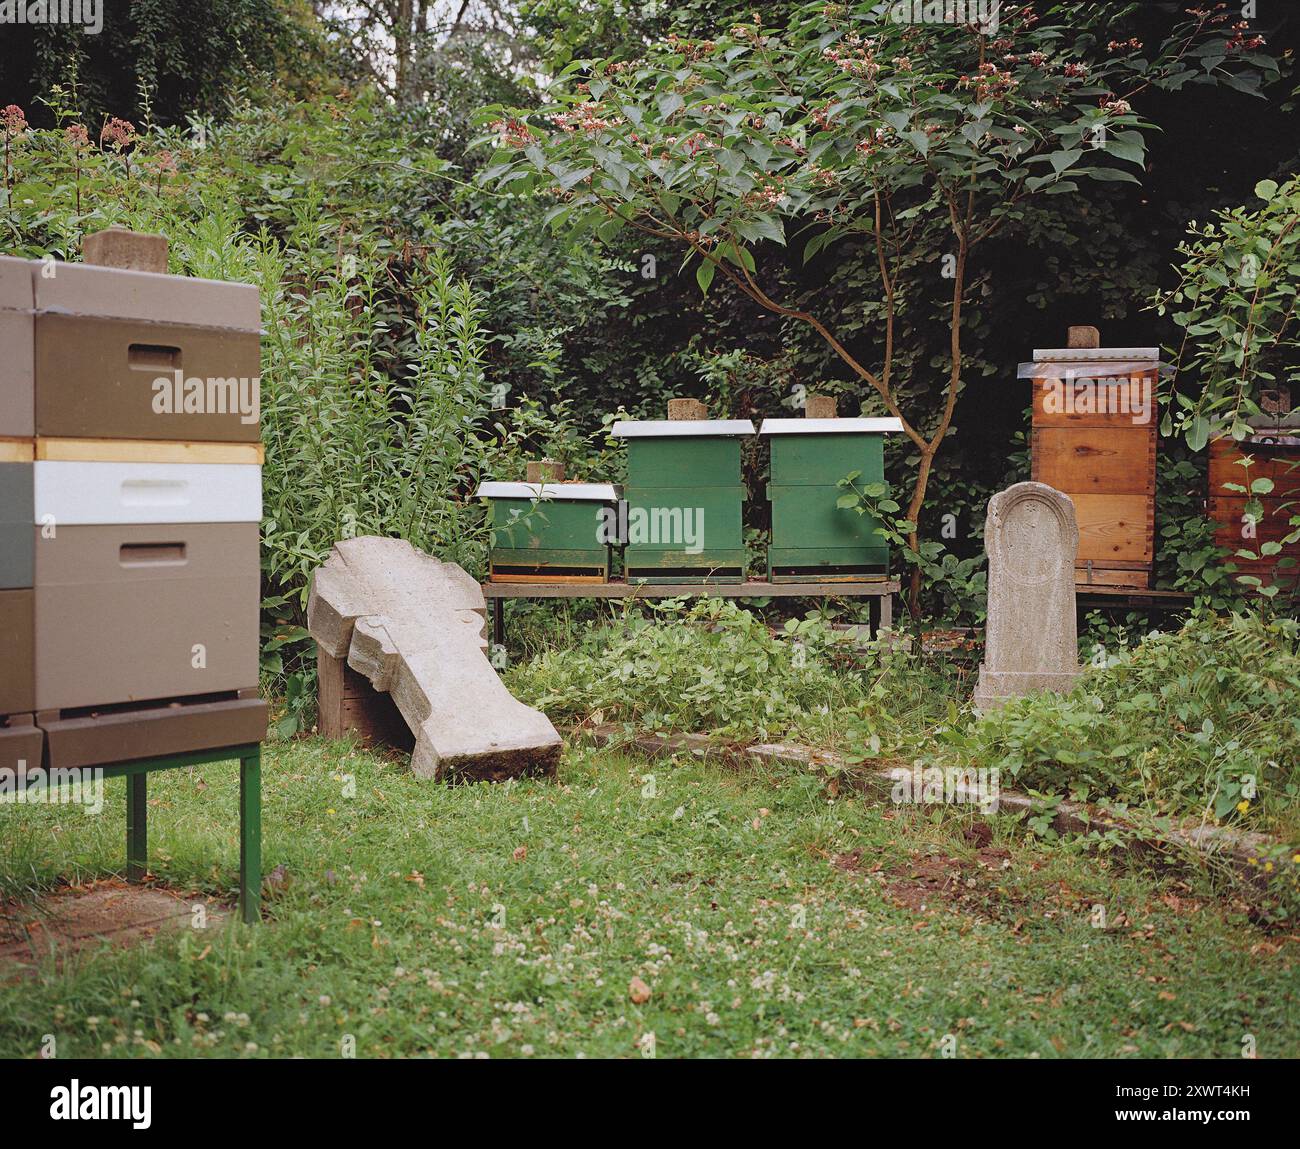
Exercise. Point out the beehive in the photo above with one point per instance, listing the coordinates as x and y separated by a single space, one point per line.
545 532
130 501
1094 439
684 500
813 537
1273 449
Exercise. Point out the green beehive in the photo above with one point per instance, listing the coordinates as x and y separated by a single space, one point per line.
684 500
813 537
549 532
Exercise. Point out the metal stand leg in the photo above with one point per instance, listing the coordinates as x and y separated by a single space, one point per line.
498 622
137 826
250 837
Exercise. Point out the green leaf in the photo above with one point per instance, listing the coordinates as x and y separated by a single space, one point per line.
704 274
1062 160
669 103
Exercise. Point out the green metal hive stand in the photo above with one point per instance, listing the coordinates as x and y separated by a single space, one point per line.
811 536
685 498
548 532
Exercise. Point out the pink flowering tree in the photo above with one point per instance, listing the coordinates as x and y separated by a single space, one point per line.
850 129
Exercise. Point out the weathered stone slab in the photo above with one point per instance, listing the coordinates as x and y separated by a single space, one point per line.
132 250
687 409
820 407
416 628
1031 638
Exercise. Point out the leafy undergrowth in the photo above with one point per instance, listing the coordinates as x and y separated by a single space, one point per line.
1201 723
714 667
760 917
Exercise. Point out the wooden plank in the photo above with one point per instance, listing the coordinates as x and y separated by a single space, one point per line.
1173 598
16 451
146 451
1094 460
347 702
547 579
1273 526
1074 406
1100 577
329 699
619 589
1114 527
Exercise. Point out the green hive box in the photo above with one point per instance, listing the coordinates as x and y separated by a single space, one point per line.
813 538
548 532
684 500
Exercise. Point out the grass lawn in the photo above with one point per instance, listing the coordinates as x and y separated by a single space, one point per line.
764 919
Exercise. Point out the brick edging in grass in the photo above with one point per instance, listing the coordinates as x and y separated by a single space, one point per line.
1237 847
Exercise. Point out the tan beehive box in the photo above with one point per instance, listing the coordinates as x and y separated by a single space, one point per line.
106 337
1095 417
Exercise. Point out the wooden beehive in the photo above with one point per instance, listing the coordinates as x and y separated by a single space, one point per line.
684 477
812 535
1094 439
130 503
548 532
1273 451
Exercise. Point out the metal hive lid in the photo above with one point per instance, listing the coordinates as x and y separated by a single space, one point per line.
882 426
574 492
678 428
1094 354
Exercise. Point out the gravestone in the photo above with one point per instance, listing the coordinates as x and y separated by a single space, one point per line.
415 627
1031 638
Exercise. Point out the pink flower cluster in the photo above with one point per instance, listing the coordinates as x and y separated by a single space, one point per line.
855 56
1240 40
511 133
585 118
689 49
12 120
990 83
117 133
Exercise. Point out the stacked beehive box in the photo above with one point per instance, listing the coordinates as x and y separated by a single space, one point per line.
685 497
812 536
549 530
130 497
1094 439
1271 451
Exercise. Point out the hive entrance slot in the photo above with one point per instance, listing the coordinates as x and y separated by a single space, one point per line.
151 554
153 357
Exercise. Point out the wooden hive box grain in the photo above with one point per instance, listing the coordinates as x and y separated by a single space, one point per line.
1094 439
